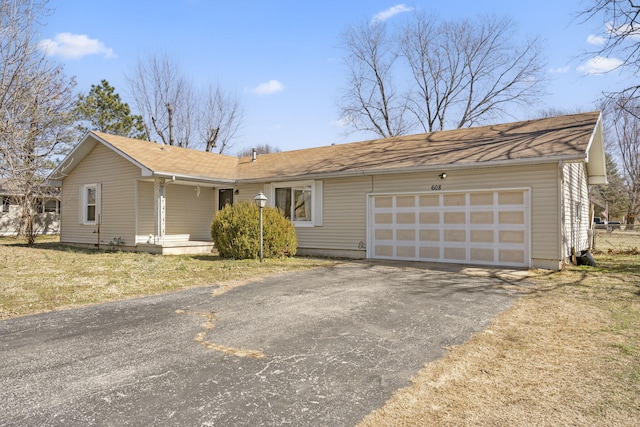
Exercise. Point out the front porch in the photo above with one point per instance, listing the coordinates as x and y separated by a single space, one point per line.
173 245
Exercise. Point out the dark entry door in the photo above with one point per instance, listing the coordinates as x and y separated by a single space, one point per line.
225 197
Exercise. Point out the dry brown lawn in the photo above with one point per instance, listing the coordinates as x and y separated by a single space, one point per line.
566 354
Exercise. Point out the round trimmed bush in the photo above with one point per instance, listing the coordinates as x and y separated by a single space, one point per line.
236 232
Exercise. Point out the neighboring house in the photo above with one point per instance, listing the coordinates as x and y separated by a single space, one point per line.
513 194
11 198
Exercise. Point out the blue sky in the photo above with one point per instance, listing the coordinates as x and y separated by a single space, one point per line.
282 58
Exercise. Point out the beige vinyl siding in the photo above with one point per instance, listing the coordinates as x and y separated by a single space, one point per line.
576 196
188 212
117 178
145 209
344 225
246 192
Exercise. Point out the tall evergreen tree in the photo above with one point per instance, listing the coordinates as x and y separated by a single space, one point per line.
611 198
102 110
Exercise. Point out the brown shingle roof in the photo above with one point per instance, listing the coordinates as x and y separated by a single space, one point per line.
564 137
173 160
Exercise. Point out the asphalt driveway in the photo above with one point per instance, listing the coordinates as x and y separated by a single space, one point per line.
320 347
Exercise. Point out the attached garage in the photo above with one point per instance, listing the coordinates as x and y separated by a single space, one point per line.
481 227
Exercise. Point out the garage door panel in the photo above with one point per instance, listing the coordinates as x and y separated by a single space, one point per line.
384 251
511 198
405 218
511 217
429 200
429 217
482 236
482 255
405 201
455 217
406 252
429 235
455 236
511 237
482 217
429 253
457 254
485 227
509 256
479 199
406 235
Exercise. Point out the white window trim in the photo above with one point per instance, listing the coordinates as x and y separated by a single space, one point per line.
84 204
316 199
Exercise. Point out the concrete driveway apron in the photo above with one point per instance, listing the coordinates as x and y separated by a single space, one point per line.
319 347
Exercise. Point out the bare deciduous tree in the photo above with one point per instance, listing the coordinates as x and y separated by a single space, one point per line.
165 98
220 121
461 74
175 114
621 19
259 149
371 102
36 102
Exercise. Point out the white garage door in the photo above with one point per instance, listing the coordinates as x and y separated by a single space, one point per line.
483 227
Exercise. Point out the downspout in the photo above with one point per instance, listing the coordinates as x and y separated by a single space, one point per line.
561 209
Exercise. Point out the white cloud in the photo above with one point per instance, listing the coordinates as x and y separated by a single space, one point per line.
268 88
596 40
599 65
624 30
392 11
344 122
560 70
75 46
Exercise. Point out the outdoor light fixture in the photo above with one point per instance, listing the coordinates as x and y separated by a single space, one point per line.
443 175
261 202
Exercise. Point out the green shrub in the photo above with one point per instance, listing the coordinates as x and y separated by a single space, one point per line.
236 232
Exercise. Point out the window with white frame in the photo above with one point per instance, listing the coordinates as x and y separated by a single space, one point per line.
90 203
301 202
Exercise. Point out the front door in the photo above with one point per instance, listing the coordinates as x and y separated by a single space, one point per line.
225 197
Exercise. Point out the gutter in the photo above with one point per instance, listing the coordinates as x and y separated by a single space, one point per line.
192 178
561 209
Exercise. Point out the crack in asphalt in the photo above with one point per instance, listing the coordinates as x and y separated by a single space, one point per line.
208 325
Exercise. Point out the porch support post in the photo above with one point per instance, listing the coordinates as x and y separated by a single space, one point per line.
159 209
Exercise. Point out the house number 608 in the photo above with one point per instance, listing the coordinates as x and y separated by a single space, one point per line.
437 187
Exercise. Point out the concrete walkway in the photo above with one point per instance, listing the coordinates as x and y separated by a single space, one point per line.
313 348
